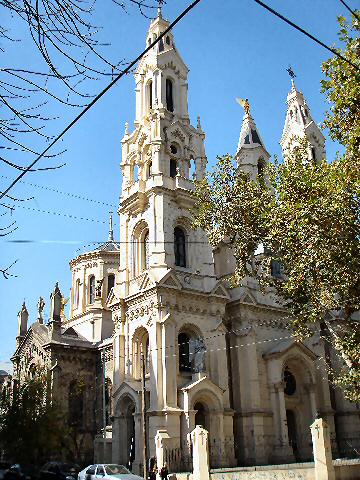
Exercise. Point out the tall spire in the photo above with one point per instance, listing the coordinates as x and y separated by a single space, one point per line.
111 229
300 124
251 153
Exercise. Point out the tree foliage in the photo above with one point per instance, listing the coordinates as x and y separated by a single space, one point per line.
30 422
306 216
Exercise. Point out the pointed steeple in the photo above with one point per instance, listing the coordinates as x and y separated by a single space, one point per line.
299 123
251 153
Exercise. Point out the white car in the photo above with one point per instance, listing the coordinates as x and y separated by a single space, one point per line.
107 471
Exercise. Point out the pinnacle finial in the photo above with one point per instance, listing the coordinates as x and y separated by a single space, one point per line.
111 230
159 9
292 76
198 122
126 128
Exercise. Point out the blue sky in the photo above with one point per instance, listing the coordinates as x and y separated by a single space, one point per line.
233 48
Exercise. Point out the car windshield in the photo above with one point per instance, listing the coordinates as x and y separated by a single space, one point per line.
115 469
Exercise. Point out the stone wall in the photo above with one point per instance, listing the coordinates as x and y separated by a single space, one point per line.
344 470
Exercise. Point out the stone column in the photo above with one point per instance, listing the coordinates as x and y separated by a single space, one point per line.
324 468
199 439
161 439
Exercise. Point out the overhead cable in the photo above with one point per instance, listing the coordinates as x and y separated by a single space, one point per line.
292 24
101 94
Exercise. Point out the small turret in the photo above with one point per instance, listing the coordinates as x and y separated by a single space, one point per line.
251 154
299 124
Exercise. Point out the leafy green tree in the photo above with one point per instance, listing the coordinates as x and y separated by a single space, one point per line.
306 217
31 424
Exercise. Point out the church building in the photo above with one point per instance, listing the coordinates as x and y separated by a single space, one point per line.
214 356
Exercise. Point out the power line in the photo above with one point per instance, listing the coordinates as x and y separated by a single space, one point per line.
292 24
67 194
350 10
60 214
111 84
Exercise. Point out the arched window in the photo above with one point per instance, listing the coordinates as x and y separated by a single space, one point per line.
146 251
76 293
76 404
150 94
173 167
149 170
179 247
161 45
110 283
260 168
184 352
167 40
140 347
275 269
92 289
169 95
200 415
290 382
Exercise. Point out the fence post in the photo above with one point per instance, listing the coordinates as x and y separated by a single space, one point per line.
324 468
199 438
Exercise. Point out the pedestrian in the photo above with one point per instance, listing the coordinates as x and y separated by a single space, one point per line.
152 469
164 472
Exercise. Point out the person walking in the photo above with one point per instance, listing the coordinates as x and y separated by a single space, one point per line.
164 472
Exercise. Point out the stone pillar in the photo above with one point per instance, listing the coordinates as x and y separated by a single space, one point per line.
324 468
282 451
161 439
199 439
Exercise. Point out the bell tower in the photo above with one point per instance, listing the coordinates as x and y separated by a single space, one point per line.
161 158
300 124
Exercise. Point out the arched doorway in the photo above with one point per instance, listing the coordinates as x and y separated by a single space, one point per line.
126 431
299 416
200 415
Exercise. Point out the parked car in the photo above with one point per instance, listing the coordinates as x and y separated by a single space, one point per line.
3 467
59 471
107 471
20 472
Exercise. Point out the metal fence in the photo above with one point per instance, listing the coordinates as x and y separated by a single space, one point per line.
179 459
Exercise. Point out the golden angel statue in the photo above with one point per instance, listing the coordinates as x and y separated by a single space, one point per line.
245 104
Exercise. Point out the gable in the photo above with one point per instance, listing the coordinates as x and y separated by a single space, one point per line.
220 291
171 281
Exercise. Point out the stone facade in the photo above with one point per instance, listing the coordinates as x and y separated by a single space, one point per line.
214 356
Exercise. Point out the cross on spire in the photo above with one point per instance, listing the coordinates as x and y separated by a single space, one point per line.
292 76
160 4
291 72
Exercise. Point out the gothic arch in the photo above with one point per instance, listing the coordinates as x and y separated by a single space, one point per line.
140 248
186 336
140 345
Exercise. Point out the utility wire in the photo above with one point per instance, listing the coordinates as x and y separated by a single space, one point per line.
101 94
60 192
292 24
350 10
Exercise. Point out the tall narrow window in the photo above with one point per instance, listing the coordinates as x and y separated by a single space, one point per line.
184 353
169 95
76 293
146 251
260 168
76 404
111 283
92 289
150 94
179 247
173 167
